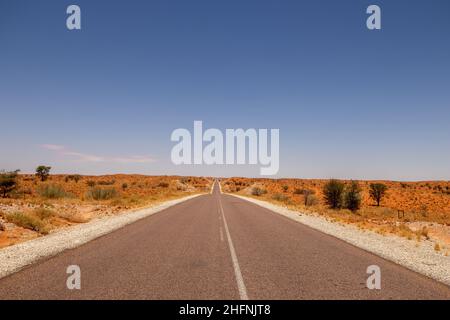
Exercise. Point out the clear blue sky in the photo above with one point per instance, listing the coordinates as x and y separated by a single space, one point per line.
349 102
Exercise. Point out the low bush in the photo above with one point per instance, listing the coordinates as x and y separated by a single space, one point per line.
8 182
101 193
185 180
163 185
106 182
74 177
353 197
333 193
43 213
311 200
257 191
280 197
27 221
52 191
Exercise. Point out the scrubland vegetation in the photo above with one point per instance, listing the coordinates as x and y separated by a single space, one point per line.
414 210
32 205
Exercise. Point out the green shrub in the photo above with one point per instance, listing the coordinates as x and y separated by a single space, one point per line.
28 222
353 197
52 191
101 193
257 191
333 192
285 188
124 186
8 182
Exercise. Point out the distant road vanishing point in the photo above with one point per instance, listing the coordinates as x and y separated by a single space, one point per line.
218 246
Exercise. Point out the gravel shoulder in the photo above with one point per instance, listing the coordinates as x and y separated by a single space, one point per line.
16 257
419 257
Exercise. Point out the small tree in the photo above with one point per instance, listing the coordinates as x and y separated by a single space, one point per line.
8 182
353 197
285 188
43 172
377 192
333 192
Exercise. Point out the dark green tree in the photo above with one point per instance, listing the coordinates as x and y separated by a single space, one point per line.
377 192
8 182
43 172
353 197
333 192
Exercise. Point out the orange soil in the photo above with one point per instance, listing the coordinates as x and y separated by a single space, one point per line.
133 191
425 204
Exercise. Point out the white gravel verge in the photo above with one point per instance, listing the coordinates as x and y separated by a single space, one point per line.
15 257
422 259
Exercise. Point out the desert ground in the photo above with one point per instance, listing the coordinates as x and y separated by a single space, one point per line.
35 208
419 211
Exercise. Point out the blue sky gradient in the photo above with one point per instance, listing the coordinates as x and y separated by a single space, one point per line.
349 102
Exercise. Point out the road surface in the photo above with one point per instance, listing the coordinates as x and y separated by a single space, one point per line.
217 246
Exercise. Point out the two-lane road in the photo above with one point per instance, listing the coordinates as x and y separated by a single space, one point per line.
217 247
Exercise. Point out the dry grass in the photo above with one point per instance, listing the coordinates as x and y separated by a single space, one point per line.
404 203
44 213
52 191
96 193
420 201
64 200
28 221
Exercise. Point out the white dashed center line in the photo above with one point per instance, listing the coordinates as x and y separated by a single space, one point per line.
237 270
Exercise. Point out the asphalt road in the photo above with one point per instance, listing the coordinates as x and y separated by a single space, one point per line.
218 247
